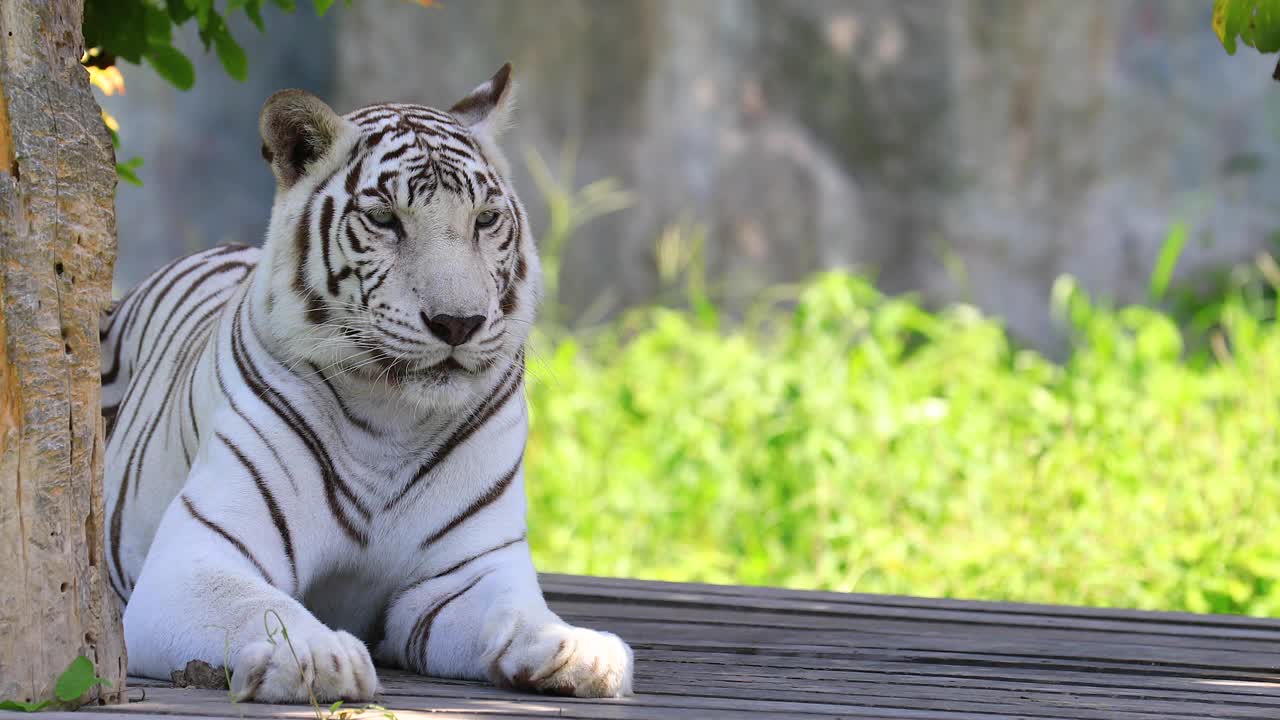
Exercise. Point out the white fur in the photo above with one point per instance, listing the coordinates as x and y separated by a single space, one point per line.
193 594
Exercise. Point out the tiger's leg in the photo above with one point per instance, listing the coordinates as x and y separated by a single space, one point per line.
486 619
211 590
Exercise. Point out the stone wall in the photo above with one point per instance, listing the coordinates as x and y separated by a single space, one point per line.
969 150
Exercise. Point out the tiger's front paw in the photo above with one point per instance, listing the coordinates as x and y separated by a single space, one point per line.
559 659
335 665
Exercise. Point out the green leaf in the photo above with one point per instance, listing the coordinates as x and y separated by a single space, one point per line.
322 6
158 27
209 27
285 5
1167 260
203 8
173 66
24 706
1220 10
1234 19
230 53
334 707
180 11
253 9
77 679
125 171
1266 26
117 27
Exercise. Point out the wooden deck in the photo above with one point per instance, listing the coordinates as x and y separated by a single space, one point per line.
723 652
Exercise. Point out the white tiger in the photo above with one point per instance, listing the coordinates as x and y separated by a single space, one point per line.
328 433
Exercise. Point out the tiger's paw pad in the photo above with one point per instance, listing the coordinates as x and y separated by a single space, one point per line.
335 665
564 660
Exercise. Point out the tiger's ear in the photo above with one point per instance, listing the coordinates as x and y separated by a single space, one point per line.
487 109
297 129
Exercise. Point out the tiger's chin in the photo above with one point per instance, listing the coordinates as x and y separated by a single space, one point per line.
447 385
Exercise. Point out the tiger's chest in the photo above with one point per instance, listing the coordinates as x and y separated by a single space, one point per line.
377 492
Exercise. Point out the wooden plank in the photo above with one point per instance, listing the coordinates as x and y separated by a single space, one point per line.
409 693
720 653
737 665
844 693
997 647
1215 628
584 586
214 703
293 712
479 701
1081 642
297 713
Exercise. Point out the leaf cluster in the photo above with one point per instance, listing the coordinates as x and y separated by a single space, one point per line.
1255 23
849 440
142 31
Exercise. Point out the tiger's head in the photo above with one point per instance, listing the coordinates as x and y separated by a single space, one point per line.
398 251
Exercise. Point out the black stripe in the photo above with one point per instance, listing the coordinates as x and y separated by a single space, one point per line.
383 179
396 153
158 414
191 402
397 336
488 498
494 402
277 517
364 114
315 311
420 636
204 258
455 568
457 135
326 239
109 413
509 298
222 385
235 542
353 241
110 376
368 292
346 412
132 467
333 484
117 515
151 365
353 175
122 307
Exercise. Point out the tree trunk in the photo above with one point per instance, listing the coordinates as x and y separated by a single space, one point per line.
57 246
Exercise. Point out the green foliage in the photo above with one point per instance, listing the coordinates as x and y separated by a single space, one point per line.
76 680
127 171
853 441
138 30
1166 261
19 706
1256 23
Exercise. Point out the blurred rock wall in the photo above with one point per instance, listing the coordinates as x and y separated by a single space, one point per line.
969 149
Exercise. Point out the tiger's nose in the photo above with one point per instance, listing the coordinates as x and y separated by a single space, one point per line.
451 328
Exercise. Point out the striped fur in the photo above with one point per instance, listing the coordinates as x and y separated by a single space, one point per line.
297 431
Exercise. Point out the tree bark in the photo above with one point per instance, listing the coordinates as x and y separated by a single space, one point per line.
57 247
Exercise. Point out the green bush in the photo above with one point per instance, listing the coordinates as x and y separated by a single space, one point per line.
859 442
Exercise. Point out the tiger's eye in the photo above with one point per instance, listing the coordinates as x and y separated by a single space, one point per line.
486 218
381 216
